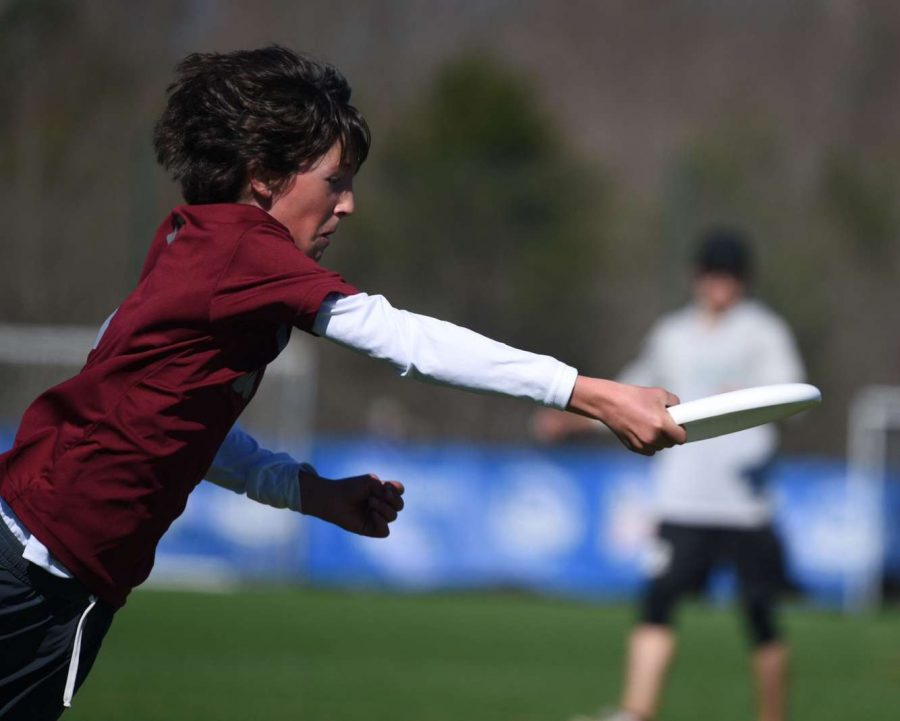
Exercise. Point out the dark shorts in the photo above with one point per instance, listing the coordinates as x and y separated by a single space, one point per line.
40 615
684 557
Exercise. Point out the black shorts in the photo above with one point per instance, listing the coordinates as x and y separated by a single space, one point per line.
683 558
40 619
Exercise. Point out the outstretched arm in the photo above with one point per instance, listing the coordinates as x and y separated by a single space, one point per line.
432 350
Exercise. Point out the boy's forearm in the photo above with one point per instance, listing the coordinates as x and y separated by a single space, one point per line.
270 478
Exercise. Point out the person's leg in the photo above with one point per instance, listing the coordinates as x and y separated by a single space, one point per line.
770 671
651 648
679 563
39 618
761 569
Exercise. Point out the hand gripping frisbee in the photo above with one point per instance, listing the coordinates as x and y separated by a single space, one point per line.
736 411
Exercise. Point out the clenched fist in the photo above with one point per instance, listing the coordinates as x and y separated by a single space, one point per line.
361 504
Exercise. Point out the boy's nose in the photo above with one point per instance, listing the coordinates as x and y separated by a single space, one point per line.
346 205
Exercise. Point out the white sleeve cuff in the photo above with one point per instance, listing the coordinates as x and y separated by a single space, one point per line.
439 352
561 389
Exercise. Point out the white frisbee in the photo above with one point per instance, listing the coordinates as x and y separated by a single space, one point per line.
736 411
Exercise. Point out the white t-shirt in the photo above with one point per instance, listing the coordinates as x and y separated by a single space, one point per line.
717 481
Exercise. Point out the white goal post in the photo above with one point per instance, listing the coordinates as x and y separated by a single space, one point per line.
874 421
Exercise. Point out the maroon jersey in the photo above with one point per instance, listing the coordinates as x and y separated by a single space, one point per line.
104 462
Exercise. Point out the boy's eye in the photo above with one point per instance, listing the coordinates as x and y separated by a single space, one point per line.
341 177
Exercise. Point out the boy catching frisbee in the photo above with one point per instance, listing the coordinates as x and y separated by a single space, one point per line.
265 146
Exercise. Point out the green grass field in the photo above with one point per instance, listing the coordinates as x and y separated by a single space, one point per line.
328 656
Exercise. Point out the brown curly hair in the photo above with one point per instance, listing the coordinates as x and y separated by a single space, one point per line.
264 113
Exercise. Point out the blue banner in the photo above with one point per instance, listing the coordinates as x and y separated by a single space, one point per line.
566 521
560 521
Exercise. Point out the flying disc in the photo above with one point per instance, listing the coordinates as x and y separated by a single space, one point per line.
736 411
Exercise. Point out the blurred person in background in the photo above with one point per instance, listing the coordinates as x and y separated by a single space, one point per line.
711 502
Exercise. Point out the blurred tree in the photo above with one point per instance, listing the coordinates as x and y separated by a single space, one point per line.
479 203
482 215
71 117
862 200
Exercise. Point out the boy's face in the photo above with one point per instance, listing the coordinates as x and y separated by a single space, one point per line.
314 201
716 292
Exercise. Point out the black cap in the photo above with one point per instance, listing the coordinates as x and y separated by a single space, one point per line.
724 250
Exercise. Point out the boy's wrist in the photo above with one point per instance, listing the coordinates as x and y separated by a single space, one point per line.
593 397
312 491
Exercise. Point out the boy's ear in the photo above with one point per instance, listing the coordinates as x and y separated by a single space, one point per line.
262 192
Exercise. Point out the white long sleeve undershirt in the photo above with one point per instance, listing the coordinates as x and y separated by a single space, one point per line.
243 466
439 352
